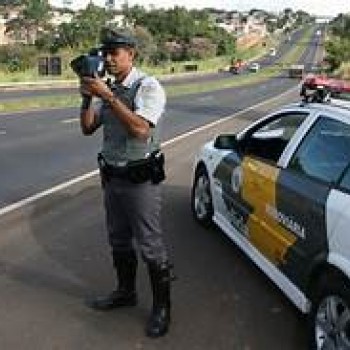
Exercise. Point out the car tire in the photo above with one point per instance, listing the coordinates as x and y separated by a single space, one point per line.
329 319
201 198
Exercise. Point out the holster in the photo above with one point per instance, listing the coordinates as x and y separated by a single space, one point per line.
103 167
157 167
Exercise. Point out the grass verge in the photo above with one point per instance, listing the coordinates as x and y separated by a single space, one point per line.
73 100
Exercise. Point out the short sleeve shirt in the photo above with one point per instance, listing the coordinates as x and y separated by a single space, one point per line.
150 97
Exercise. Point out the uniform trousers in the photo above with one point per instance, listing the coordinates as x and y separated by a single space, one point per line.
133 212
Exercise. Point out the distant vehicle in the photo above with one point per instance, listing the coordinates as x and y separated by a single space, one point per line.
318 32
296 71
237 66
254 67
272 51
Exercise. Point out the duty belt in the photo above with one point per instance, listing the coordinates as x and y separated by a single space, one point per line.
137 171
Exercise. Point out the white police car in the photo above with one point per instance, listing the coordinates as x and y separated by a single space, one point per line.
280 189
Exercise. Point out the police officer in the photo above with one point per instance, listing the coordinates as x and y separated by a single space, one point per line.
131 168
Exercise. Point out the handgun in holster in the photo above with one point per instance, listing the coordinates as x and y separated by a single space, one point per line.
103 167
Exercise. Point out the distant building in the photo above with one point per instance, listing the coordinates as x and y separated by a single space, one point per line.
80 4
231 22
59 16
110 4
67 3
5 38
238 23
256 26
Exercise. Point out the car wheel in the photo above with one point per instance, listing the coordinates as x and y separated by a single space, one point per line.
201 199
329 320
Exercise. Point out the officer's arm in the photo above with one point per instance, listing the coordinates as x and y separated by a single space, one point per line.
89 122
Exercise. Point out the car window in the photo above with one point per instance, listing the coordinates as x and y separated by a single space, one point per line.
285 126
325 151
269 140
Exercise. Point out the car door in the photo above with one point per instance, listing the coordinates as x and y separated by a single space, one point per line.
263 149
247 182
302 193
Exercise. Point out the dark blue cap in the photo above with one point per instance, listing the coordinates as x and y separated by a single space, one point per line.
115 40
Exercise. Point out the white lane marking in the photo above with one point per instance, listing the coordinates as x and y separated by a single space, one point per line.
205 98
52 190
46 193
2 132
69 121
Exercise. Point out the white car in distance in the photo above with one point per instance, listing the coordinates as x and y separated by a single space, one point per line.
254 67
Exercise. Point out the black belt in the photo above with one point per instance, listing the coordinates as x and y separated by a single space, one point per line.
131 167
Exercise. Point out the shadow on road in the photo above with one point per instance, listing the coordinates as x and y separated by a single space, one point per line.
220 300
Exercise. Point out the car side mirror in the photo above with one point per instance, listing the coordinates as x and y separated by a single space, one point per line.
228 141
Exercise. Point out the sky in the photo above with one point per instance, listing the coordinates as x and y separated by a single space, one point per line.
315 7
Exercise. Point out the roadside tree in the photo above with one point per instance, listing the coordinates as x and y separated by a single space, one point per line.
33 18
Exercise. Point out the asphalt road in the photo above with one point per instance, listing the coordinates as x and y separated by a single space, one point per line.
53 252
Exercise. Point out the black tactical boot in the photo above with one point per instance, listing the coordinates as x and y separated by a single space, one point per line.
159 320
125 294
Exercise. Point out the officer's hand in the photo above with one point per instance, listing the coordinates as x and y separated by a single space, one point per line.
84 89
97 87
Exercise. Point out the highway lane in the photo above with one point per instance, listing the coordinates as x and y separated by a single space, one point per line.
41 149
54 253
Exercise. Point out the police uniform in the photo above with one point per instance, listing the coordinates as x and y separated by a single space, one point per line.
132 195
133 210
